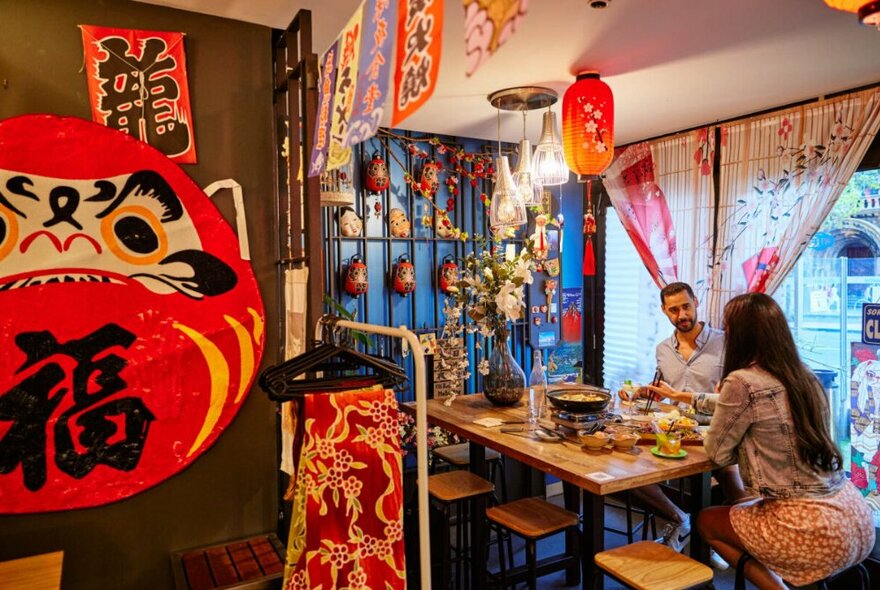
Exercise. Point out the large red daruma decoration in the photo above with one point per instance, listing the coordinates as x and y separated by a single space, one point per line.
588 125
131 328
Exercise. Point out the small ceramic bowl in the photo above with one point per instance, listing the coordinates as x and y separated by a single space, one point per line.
594 441
625 441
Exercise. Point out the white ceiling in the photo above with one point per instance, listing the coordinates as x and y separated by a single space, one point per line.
671 64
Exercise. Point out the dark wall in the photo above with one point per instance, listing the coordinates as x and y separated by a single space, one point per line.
231 491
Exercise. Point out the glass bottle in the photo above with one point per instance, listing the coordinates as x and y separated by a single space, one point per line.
537 390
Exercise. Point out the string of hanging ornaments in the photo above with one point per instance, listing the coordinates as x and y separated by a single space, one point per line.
588 138
447 165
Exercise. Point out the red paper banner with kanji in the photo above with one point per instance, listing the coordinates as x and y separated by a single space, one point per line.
131 327
138 84
417 61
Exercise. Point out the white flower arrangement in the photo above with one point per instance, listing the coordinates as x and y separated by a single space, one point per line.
492 288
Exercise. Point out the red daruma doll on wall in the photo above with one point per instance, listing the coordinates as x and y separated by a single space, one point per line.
404 276
448 274
356 283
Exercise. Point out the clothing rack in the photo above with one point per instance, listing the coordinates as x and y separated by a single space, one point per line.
421 426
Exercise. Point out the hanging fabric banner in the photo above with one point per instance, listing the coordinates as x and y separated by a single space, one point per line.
488 24
346 86
347 525
326 89
138 84
375 62
419 39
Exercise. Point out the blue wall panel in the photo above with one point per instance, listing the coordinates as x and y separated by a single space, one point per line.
422 310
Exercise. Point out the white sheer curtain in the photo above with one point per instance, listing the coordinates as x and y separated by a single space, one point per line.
781 175
663 193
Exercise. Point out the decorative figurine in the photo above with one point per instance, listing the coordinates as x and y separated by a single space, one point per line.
448 274
430 179
377 179
350 224
356 276
540 245
399 224
549 290
404 276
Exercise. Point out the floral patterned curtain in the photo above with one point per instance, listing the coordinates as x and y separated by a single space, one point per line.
781 175
663 193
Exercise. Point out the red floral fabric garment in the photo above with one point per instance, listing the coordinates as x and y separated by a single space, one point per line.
347 526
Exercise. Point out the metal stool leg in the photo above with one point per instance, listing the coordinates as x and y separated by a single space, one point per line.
444 542
532 563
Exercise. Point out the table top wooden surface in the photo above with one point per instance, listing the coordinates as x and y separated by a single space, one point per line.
567 460
37 572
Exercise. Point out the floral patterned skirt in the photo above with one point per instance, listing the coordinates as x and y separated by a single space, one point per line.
806 540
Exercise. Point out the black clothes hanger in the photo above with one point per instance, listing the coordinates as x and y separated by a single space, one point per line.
343 367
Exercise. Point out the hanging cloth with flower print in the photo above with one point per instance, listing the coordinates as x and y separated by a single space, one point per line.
347 524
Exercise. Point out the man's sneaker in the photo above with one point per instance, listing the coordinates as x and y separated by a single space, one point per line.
675 534
717 561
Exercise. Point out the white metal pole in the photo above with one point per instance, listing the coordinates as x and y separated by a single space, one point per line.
421 430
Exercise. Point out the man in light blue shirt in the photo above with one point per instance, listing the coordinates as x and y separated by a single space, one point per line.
692 358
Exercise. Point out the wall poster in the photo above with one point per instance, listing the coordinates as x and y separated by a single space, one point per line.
132 328
566 360
864 423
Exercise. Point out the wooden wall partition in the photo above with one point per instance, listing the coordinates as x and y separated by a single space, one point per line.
230 492
298 211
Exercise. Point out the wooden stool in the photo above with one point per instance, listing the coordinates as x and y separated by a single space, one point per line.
459 455
533 519
454 488
647 565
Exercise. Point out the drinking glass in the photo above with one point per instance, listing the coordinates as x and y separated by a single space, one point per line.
626 406
670 443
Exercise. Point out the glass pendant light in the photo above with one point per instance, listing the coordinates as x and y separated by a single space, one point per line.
508 208
530 190
549 163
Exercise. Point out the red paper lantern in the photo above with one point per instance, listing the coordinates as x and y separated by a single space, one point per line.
588 125
377 174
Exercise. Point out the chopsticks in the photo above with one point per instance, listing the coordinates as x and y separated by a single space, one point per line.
654 383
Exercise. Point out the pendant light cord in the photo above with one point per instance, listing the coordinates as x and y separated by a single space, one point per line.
498 109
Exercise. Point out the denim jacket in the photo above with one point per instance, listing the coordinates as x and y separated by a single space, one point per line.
752 426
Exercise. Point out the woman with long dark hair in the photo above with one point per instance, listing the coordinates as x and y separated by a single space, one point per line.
806 520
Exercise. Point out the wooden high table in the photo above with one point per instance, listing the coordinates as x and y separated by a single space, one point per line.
595 473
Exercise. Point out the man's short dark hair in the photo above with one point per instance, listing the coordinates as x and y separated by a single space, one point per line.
672 289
